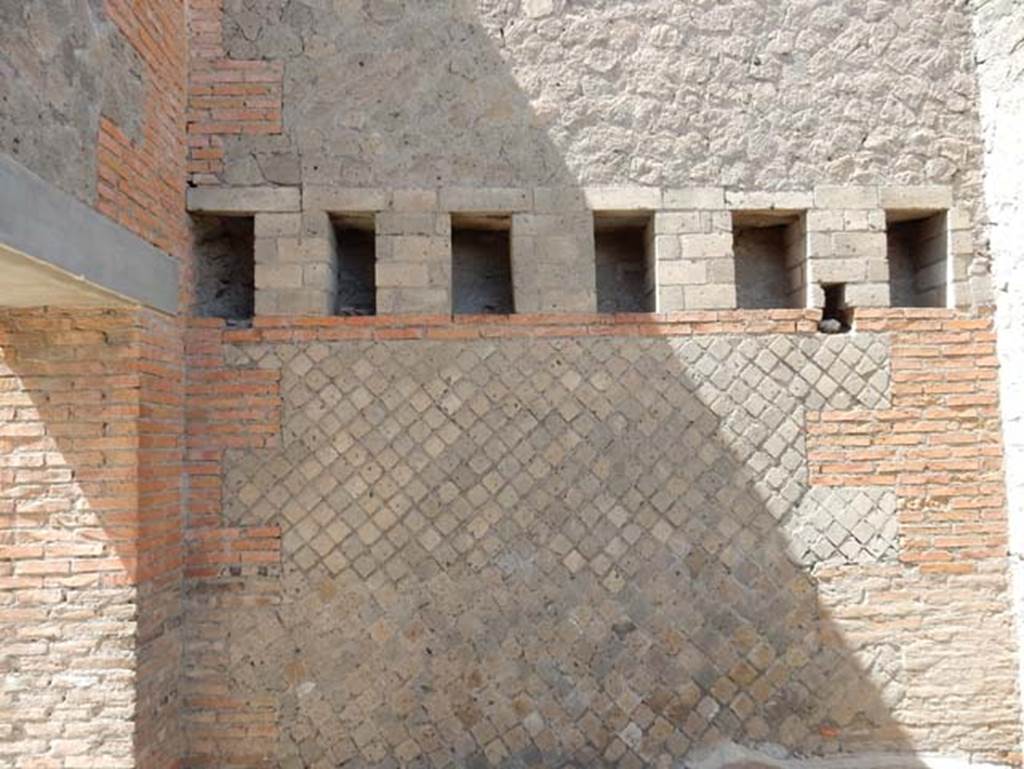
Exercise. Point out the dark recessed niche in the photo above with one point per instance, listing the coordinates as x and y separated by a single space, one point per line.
917 249
836 317
224 248
624 249
481 264
356 254
770 253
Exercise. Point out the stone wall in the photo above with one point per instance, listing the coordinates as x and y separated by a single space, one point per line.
747 95
597 540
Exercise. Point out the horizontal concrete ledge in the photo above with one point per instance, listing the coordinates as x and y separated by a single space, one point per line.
240 201
48 225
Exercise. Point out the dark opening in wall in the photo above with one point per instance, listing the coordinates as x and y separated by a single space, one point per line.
836 317
481 264
770 253
917 246
624 248
355 250
225 266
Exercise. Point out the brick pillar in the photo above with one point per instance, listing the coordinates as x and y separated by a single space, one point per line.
296 264
91 433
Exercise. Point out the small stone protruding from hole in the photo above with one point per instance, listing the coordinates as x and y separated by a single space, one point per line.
836 317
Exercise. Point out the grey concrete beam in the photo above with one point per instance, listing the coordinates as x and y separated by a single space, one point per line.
42 222
240 201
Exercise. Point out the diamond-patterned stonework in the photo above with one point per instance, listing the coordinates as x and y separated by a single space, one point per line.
844 525
548 552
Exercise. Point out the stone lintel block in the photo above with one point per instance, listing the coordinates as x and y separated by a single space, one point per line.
626 198
829 196
244 200
768 200
497 200
839 270
277 225
689 198
414 200
553 199
709 297
580 223
342 200
916 198
413 223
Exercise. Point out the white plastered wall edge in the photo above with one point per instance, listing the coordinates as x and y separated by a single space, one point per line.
999 52
728 755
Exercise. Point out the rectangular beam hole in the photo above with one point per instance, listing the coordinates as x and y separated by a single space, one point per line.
918 254
225 266
623 244
481 264
770 253
355 249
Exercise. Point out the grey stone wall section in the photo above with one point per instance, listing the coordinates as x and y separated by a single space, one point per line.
552 552
62 64
553 262
502 92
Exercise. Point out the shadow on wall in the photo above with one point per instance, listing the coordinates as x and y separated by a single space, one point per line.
532 552
539 552
390 93
90 529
